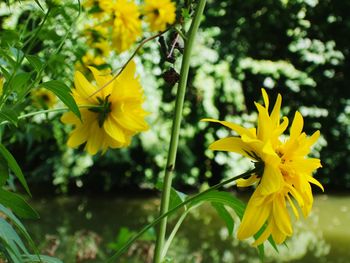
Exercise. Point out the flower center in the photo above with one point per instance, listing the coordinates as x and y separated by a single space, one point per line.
103 109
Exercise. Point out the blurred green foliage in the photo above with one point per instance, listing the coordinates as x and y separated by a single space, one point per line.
298 48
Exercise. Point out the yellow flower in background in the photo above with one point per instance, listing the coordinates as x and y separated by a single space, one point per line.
126 24
43 98
283 171
159 14
115 114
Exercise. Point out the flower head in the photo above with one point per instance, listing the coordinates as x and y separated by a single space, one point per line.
159 14
112 110
126 24
285 172
43 98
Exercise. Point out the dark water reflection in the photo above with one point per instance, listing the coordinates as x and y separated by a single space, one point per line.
78 228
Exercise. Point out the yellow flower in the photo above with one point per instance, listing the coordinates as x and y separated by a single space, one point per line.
283 173
159 14
43 98
113 110
126 24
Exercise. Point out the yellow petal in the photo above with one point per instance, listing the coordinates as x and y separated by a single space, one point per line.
295 210
264 236
95 139
77 137
271 181
254 218
247 182
231 144
297 126
129 118
70 118
315 182
84 88
280 213
237 128
103 81
266 98
114 130
275 114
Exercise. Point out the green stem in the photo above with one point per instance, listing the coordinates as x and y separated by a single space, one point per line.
173 233
173 210
24 116
164 206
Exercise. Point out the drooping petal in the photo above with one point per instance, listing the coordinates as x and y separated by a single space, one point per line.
271 181
253 219
231 144
94 143
114 130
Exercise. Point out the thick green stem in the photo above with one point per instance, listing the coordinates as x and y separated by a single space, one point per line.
176 129
173 210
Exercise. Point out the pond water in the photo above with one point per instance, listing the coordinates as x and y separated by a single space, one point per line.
81 229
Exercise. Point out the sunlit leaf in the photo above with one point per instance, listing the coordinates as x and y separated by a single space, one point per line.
63 93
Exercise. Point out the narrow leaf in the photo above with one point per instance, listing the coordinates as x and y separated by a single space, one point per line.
35 62
224 215
63 93
176 197
14 167
4 171
42 259
9 115
16 222
11 238
19 83
17 204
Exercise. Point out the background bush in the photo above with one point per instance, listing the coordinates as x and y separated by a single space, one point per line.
298 48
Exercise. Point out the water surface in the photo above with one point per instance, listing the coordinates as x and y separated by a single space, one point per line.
79 229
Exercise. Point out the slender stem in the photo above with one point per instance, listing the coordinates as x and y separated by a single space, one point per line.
24 116
173 210
164 206
173 233
129 59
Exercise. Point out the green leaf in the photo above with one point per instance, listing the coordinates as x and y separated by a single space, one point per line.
19 84
35 62
11 240
42 259
4 171
63 93
224 215
15 221
176 197
7 114
14 167
223 198
17 204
